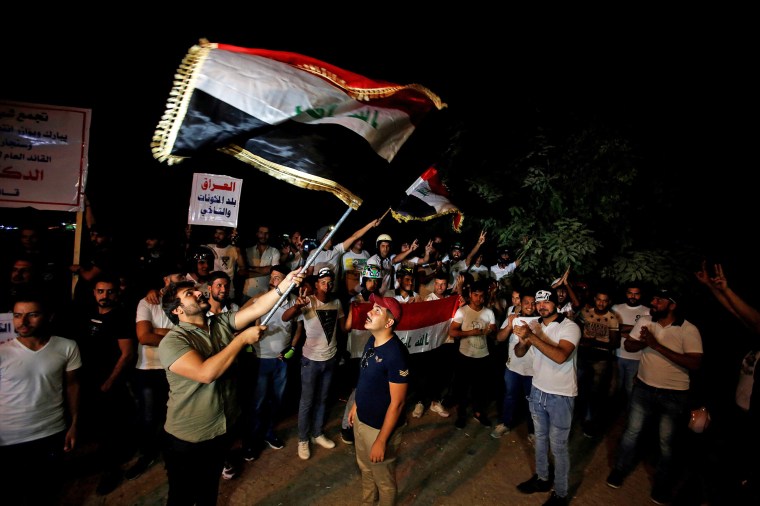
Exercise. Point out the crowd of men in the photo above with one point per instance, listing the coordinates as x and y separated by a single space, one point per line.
181 352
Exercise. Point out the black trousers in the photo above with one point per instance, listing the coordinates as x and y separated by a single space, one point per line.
194 470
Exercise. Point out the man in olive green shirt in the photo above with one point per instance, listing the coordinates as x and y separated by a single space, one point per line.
199 355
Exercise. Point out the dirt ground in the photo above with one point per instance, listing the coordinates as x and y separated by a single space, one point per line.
438 465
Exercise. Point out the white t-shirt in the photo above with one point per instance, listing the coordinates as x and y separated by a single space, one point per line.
455 268
479 272
225 260
147 355
320 324
328 258
256 285
521 365
549 376
32 388
352 265
278 334
386 267
629 315
497 272
474 346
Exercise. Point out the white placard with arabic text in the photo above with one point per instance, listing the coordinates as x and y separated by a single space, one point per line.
43 156
7 332
214 200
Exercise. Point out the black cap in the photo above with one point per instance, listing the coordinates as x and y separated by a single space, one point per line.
664 293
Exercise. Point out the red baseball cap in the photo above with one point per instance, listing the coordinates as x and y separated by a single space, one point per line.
388 303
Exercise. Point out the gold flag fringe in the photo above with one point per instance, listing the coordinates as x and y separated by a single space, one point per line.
292 176
367 94
406 218
177 104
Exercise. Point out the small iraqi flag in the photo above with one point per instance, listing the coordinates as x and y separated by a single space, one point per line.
296 118
426 199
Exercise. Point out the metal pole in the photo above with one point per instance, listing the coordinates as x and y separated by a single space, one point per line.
308 263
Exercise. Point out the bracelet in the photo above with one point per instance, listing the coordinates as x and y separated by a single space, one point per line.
277 289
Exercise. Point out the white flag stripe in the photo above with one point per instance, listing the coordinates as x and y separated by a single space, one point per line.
275 92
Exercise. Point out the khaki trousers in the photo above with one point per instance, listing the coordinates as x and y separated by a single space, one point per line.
378 478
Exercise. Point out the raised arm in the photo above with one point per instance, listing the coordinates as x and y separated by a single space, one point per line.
736 305
360 233
474 251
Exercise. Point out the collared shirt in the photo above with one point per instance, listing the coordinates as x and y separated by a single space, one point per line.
655 369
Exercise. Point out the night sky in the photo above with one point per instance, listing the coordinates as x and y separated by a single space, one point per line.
683 88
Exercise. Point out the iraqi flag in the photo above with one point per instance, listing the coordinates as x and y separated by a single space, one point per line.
424 325
296 118
428 198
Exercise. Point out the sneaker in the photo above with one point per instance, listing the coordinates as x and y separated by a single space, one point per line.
555 500
660 495
483 419
229 471
347 436
534 485
615 479
142 464
499 431
249 454
460 423
303 450
419 408
274 443
108 482
323 441
437 407
589 429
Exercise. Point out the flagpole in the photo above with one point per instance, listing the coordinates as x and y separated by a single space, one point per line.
308 263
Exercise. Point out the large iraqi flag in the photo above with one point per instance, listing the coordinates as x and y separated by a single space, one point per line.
296 118
424 325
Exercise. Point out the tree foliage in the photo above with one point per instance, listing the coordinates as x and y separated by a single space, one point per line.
576 194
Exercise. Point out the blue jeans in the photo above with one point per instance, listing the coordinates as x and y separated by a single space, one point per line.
315 385
267 396
515 387
552 418
628 368
668 407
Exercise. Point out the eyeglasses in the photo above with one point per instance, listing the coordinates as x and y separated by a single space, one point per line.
368 354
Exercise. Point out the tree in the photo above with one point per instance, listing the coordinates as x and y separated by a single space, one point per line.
576 194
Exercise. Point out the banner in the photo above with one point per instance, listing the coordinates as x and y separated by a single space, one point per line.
43 156
296 118
214 200
7 332
424 325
